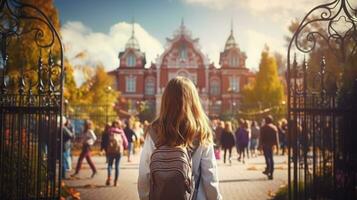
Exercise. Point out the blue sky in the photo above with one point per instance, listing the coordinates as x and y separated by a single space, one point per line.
101 28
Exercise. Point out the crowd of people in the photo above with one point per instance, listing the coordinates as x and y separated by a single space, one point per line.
250 139
118 139
181 139
123 138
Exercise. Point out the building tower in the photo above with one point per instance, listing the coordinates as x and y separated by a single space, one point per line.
234 73
130 80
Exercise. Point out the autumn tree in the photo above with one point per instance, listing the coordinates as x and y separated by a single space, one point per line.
338 68
281 63
95 98
24 51
31 44
267 91
70 86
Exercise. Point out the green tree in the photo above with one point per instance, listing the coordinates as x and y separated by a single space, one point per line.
267 91
146 112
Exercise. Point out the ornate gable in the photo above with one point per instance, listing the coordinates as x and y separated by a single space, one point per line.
182 51
132 56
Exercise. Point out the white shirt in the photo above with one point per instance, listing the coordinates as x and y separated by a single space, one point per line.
208 188
90 137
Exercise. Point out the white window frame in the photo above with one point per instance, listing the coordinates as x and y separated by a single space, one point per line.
183 52
150 86
215 87
234 83
234 61
130 84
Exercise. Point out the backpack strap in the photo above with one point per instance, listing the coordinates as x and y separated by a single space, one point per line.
197 184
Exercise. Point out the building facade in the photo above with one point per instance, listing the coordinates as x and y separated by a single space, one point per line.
219 88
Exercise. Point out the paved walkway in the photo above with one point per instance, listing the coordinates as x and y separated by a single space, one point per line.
238 181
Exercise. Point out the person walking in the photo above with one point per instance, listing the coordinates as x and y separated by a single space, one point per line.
247 128
139 132
105 140
227 141
88 139
68 135
181 125
255 130
282 130
242 139
218 132
268 139
217 139
130 134
69 126
114 148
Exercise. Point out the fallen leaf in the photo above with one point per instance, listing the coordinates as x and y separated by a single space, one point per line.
252 168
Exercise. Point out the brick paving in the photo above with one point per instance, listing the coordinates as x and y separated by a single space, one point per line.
237 181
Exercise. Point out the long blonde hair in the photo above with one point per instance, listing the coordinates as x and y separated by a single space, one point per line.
181 119
228 127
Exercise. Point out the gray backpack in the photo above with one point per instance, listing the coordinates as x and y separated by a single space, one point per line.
171 176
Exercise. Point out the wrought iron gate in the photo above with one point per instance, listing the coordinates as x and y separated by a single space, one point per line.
322 104
30 103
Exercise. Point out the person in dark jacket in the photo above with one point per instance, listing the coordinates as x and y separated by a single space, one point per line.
227 141
129 133
282 130
105 139
242 139
268 139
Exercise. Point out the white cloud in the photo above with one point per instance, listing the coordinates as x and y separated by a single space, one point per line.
213 4
212 50
258 5
275 9
255 44
282 5
104 47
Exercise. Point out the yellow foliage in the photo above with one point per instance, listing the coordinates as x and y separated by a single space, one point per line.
267 90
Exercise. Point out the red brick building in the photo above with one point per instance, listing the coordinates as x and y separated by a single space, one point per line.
219 88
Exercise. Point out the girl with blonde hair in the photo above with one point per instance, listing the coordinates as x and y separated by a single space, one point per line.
182 122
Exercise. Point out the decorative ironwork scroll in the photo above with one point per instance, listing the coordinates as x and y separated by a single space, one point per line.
31 98
322 123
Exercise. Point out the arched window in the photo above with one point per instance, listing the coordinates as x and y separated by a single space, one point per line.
183 52
215 88
233 61
131 60
183 73
150 86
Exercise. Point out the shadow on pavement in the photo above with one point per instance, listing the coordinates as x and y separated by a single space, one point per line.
243 180
129 167
91 186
